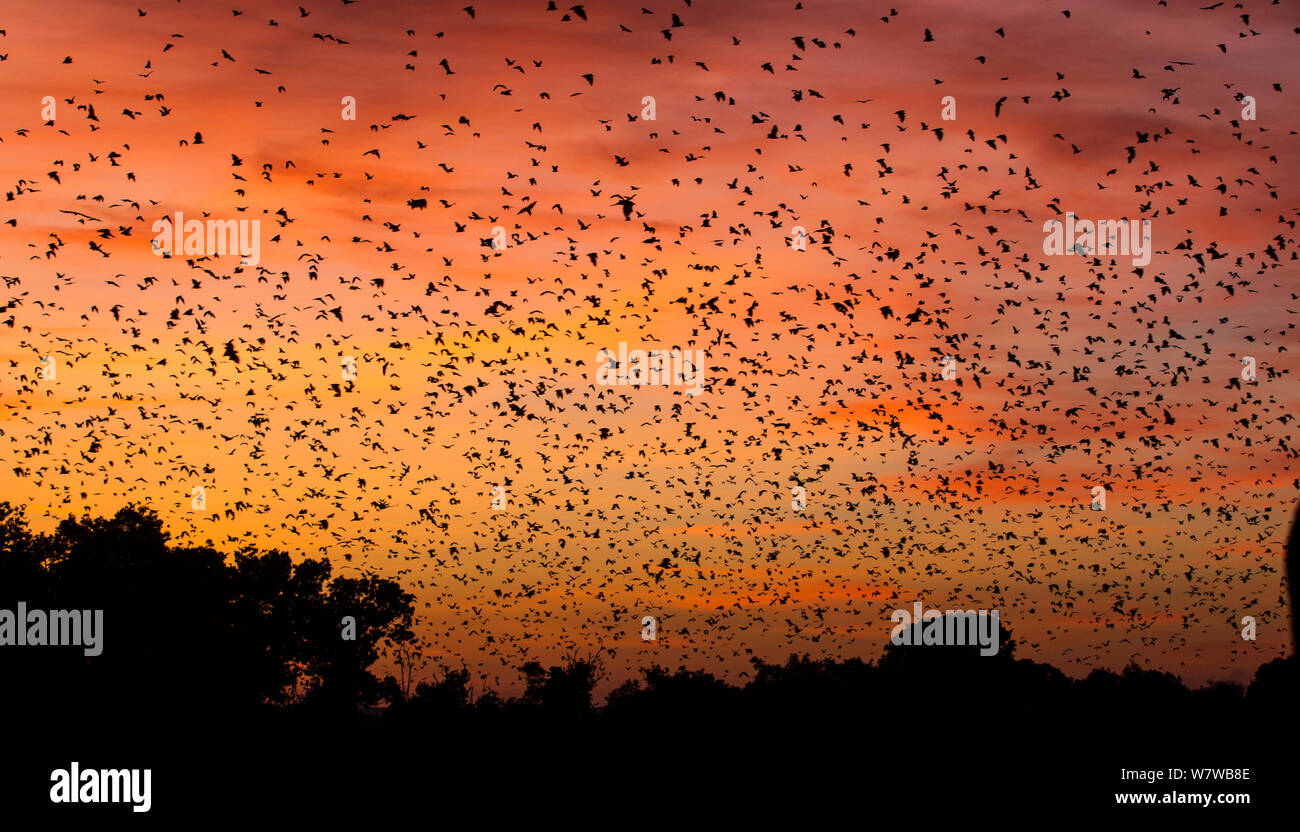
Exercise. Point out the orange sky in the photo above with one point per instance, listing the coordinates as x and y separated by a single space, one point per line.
961 494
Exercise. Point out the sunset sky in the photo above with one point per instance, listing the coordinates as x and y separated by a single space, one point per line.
476 366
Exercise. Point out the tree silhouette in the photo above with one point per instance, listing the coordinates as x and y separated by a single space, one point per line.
1292 576
561 691
186 628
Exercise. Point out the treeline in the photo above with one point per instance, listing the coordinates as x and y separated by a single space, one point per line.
238 663
256 630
